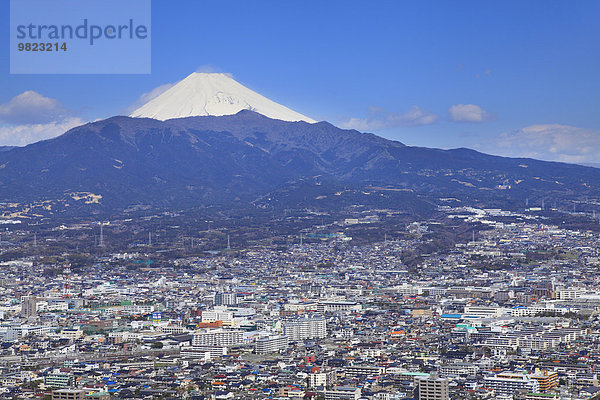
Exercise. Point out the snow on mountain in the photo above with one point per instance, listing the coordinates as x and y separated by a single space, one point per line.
212 94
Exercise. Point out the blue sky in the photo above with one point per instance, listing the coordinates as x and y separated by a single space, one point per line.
506 77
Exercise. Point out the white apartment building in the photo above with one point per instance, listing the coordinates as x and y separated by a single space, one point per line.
271 344
71 333
457 369
510 386
171 329
140 309
543 308
321 379
408 290
16 332
363 370
314 327
343 393
217 337
568 293
219 313
204 352
485 312
338 306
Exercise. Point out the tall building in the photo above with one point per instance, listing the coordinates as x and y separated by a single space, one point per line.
432 388
29 307
302 328
321 379
225 299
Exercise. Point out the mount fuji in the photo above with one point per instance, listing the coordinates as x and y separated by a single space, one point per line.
210 141
216 94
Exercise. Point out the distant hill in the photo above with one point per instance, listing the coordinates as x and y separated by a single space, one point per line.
595 165
248 158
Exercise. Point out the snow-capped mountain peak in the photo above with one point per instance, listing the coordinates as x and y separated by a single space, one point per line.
212 94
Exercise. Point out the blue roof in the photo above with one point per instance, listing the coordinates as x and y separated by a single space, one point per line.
451 315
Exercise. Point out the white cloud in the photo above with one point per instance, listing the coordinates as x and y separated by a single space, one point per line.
31 117
379 119
32 108
154 93
211 69
468 113
553 142
146 97
21 135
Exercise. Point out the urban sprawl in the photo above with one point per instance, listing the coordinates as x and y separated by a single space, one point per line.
510 314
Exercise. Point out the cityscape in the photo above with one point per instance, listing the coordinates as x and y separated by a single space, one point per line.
300 199
510 312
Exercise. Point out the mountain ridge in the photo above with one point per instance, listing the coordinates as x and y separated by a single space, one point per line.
200 161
